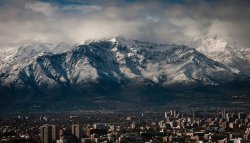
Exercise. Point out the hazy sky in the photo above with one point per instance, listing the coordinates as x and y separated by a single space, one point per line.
147 20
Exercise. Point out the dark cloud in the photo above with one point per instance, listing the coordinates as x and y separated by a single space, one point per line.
155 21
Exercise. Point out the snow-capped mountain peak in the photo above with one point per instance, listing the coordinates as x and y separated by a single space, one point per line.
113 40
227 53
117 60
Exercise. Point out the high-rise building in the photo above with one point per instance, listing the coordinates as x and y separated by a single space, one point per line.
48 133
60 134
77 130
223 113
133 125
241 115
166 114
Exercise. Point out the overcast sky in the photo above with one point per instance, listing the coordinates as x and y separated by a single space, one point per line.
153 20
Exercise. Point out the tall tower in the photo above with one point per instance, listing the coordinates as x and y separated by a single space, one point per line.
224 113
48 133
77 130
174 113
166 115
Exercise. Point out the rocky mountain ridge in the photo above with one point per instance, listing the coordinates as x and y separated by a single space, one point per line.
117 60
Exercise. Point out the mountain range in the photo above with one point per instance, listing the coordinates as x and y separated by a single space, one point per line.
121 69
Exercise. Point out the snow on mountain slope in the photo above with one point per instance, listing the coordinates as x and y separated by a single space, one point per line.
225 52
169 64
117 60
27 51
62 47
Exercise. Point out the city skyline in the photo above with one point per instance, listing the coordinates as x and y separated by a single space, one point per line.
124 71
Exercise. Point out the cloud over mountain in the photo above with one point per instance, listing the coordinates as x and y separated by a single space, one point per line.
154 21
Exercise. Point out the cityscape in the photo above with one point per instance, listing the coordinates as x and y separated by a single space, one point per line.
219 126
124 71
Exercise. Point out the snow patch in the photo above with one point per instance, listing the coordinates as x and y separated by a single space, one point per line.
113 40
